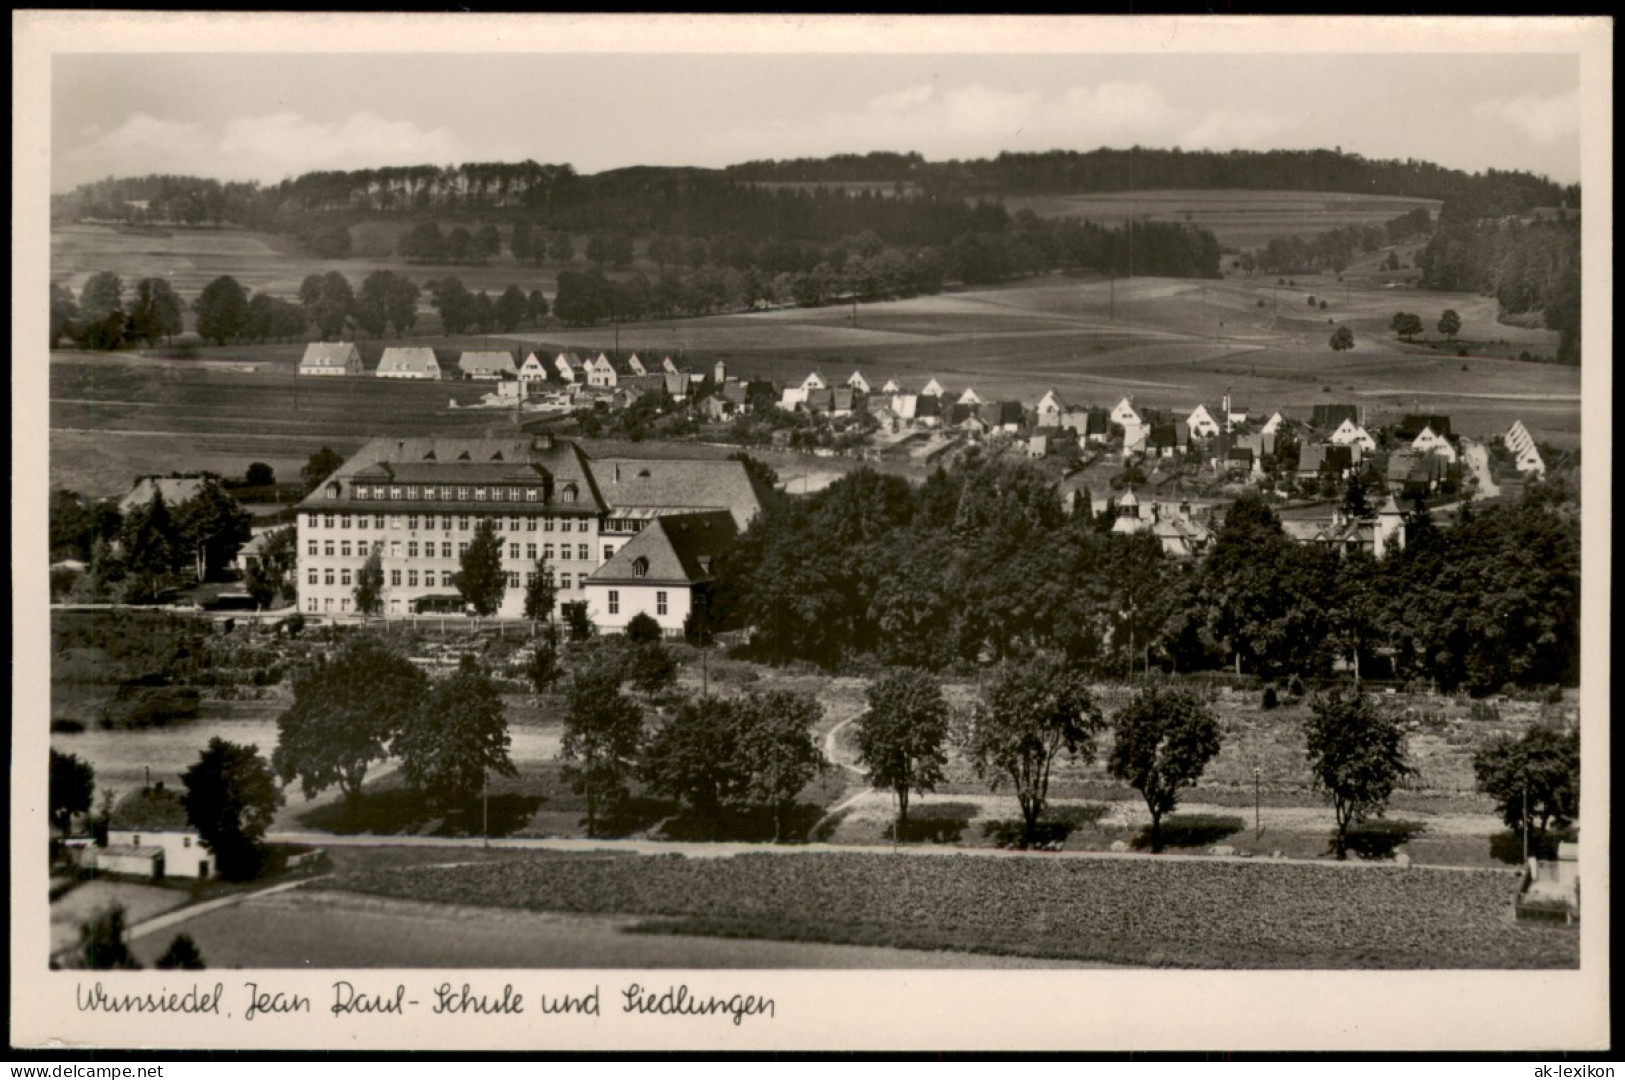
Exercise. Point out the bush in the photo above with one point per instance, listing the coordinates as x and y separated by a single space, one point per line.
182 955
1269 701
643 629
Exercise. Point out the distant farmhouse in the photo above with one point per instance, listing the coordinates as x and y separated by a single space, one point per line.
408 363
487 365
331 358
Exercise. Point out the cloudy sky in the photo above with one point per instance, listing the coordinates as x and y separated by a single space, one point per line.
267 117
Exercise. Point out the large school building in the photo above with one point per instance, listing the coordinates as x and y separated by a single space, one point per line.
418 503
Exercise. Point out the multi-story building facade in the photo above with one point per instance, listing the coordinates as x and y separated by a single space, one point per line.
419 503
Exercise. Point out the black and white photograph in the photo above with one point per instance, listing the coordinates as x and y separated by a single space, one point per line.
806 532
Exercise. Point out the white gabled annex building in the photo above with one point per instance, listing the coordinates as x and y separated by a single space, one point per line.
1521 445
418 503
331 358
408 363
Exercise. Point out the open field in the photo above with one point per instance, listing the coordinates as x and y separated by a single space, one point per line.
1157 912
1238 219
1169 343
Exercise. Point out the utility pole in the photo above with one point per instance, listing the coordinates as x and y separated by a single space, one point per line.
485 807
1258 826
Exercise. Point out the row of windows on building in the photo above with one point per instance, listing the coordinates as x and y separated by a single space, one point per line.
452 493
411 580
325 603
445 521
426 549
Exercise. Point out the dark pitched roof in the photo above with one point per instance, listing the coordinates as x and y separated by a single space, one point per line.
151 808
1162 435
928 405
563 461
677 549
680 485
1331 417
1001 413
1412 425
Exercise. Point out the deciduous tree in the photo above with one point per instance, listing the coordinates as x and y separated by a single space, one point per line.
231 797
345 711
273 572
1357 755
322 464
222 310
541 592
902 737
447 747
1163 741
214 527
777 749
602 732
1534 779
369 585
1450 324
101 312
1342 339
72 784
696 756
1029 713
155 311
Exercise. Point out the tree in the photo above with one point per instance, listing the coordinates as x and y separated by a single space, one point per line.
101 312
152 546
322 464
423 243
1533 779
577 619
231 797
541 592
155 312
447 747
560 248
543 670
454 303
901 738
213 526
535 307
64 313
1028 714
481 580
329 303
182 955
274 571
602 730
345 711
1355 503
369 585
73 782
487 243
222 310
651 667
386 300
1163 740
1450 324
1357 755
259 474
1406 325
1342 339
509 310
695 756
103 944
642 629
521 243
777 749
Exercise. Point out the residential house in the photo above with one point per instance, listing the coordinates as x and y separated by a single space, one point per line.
331 358
601 372
928 410
1163 440
1521 445
1201 423
1240 459
487 365
1234 414
569 367
1125 414
174 489
408 362
971 422
635 366
1349 433
892 387
814 381
1002 416
677 385
857 382
533 371
150 836
1050 410
904 405
1098 428
665 571
1413 424
842 400
1272 426
1430 442
668 365
970 397
933 389
1311 461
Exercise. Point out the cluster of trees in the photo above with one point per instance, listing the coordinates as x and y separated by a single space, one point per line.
462 311
1408 324
365 703
102 318
1527 268
1334 249
139 555
980 562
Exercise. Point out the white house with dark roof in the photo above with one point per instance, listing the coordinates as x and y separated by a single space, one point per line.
1521 445
149 836
814 381
487 365
1125 414
1201 423
568 365
892 387
1349 433
857 382
1273 425
661 572
408 362
668 365
969 397
635 366
331 358
933 389
1050 410
600 372
1429 442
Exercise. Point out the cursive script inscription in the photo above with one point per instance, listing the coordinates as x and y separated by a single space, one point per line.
267 1001
465 1000
195 1000
677 1001
348 1001
569 1003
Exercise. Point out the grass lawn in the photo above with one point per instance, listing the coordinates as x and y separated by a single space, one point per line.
1176 913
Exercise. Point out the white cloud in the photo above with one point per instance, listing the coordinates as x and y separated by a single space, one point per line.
1233 129
265 148
976 120
1544 120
